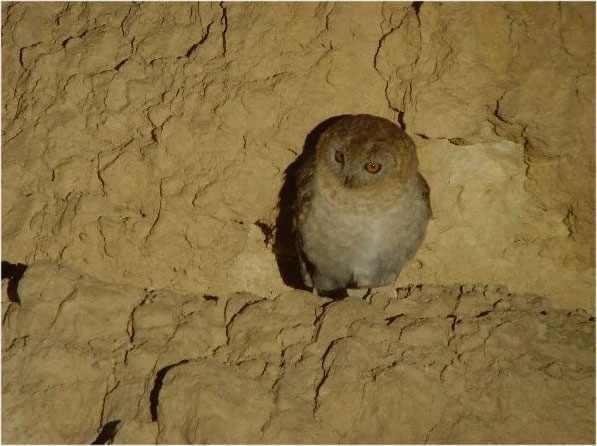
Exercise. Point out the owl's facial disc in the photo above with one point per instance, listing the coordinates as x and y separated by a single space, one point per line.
362 163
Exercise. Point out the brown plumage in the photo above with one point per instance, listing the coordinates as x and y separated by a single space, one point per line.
362 207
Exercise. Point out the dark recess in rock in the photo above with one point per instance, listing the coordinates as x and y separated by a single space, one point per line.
13 272
483 313
391 319
268 231
154 395
417 7
108 432
401 120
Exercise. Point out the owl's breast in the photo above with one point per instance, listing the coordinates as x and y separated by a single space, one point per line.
360 243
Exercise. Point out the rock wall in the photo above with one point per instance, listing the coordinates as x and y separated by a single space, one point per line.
142 142
90 361
144 148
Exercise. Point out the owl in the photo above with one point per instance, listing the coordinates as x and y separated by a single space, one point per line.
361 208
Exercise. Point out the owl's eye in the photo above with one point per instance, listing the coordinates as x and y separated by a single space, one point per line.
372 167
339 156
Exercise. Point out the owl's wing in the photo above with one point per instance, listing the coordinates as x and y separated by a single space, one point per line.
301 208
304 192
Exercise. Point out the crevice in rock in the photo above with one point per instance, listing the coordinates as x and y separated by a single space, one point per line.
224 22
384 368
158 214
318 322
327 17
130 326
107 433
454 321
268 231
10 138
100 229
120 64
446 367
400 113
455 141
461 292
193 47
416 6
325 373
154 395
483 313
80 36
13 272
400 118
497 113
234 316
122 30
20 342
68 298
570 221
101 429
21 54
210 297
99 176
391 319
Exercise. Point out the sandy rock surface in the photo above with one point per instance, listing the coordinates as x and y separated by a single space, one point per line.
437 364
143 142
144 148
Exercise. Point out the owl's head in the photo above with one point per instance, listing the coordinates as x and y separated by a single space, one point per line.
361 151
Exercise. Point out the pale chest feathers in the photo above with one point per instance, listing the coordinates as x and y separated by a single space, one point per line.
361 235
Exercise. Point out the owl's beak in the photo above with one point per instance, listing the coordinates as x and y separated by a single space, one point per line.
348 181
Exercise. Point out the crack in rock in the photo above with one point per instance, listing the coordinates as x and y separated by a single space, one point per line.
154 394
107 433
325 373
194 47
224 23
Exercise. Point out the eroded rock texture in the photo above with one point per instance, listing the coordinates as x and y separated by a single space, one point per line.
438 364
143 150
141 142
